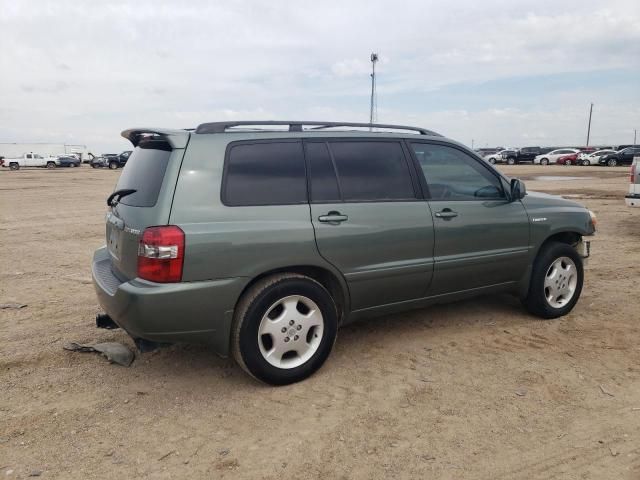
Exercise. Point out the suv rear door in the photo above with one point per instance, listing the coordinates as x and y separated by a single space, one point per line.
368 219
151 170
481 238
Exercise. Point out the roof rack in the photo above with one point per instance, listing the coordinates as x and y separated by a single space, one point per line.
297 126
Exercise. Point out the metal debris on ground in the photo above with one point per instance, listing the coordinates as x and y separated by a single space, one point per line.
113 351
12 306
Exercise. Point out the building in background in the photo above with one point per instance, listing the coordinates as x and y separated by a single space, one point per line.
8 150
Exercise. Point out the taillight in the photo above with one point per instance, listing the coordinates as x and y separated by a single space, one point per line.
161 254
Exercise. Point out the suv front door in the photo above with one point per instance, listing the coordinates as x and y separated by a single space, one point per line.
481 237
368 219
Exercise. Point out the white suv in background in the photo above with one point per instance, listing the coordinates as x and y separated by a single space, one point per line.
553 155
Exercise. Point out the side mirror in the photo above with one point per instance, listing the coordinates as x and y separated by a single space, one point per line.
518 190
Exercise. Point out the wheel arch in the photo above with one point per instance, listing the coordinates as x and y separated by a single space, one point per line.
333 282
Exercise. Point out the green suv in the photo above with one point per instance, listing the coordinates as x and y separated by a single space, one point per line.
261 239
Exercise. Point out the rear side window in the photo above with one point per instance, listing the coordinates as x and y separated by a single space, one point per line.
372 171
269 173
144 172
322 176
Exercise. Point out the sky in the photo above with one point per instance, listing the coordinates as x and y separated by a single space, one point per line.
495 73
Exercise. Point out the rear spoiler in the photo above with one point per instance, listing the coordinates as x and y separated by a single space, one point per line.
176 138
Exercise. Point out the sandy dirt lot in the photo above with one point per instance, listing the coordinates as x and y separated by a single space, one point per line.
472 390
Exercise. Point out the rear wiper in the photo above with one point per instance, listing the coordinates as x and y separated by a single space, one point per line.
115 197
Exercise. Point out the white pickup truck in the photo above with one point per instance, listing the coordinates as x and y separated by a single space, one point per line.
30 160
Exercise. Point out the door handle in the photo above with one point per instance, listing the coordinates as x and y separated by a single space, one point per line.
333 217
446 214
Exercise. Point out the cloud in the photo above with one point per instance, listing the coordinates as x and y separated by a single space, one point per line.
90 69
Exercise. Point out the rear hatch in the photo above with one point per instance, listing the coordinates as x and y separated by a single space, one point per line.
151 170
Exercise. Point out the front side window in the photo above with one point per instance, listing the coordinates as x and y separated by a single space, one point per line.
268 173
454 175
372 171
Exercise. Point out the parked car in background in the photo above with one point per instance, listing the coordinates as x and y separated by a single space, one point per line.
524 155
551 157
499 157
67 161
30 160
571 159
118 161
586 158
621 157
633 198
263 243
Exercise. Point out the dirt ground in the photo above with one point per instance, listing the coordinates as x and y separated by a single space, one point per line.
472 390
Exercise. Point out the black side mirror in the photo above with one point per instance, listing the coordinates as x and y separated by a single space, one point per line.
518 190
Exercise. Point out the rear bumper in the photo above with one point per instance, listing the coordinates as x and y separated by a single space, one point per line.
192 312
632 200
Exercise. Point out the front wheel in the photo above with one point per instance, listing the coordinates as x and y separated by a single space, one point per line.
284 328
556 281
544 161
612 162
511 161
113 165
586 163
492 161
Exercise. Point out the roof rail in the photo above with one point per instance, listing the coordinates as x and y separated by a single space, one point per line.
297 126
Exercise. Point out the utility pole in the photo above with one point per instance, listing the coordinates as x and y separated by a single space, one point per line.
635 133
374 60
589 127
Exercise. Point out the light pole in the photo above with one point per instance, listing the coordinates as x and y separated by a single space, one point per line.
589 126
635 133
374 60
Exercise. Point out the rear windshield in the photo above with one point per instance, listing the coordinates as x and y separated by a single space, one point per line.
144 172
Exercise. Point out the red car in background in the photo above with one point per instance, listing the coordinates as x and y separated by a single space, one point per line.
571 159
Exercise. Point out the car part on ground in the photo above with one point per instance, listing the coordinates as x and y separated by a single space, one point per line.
112 351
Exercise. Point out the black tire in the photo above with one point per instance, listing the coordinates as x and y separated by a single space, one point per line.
536 300
113 165
14 166
492 161
544 161
51 165
612 162
255 303
93 165
586 163
511 161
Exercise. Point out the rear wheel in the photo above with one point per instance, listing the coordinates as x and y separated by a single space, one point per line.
544 161
14 166
284 328
113 165
511 161
612 162
556 281
492 160
51 165
586 163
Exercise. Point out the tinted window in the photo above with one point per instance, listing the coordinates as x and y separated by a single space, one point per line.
453 175
372 171
144 172
270 173
323 182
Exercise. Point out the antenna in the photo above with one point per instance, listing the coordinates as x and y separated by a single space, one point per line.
373 112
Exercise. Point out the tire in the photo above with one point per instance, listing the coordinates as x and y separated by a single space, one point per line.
544 161
51 165
554 294
492 161
14 166
265 357
612 162
511 161
93 165
586 163
113 165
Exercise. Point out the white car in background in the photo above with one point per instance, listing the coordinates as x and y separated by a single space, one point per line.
553 155
586 158
497 157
